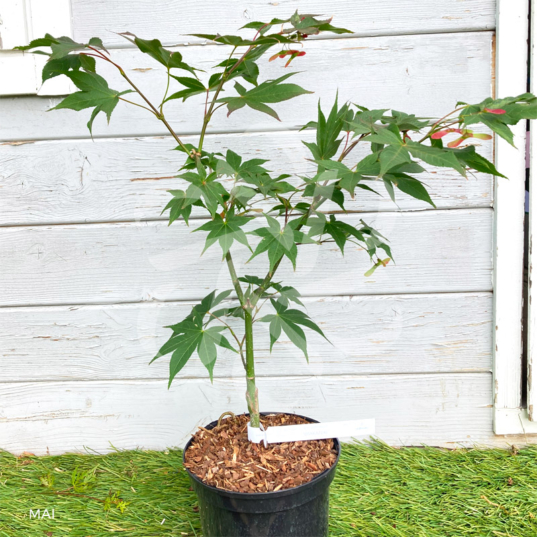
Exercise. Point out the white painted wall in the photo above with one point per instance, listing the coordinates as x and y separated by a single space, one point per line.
90 272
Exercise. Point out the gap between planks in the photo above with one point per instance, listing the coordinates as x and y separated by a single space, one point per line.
201 217
307 297
144 380
328 37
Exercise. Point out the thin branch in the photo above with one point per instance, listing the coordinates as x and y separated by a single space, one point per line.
439 121
149 103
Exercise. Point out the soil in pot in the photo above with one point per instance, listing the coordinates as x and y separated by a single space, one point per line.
224 458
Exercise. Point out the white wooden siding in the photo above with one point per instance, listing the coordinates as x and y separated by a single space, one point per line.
52 417
421 74
126 179
90 273
450 332
132 262
172 20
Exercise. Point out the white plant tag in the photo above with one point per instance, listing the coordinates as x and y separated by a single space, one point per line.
311 431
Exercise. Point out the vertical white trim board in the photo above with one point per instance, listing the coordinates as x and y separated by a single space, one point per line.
20 22
508 250
532 297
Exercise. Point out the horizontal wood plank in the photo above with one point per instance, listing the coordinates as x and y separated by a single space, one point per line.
109 263
369 334
54 417
422 74
166 19
127 179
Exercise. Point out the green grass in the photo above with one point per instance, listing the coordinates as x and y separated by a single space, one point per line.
378 491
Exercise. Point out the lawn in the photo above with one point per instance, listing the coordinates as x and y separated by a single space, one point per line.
378 491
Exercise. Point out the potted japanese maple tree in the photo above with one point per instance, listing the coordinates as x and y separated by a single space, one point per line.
246 488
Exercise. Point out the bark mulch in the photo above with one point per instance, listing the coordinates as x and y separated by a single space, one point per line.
224 457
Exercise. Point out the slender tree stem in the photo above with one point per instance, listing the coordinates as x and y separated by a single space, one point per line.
251 390
225 77
235 279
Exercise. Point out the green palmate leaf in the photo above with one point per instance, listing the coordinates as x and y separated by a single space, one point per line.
276 241
267 186
385 136
194 338
411 167
393 156
309 25
305 24
199 311
251 280
406 122
338 230
435 156
468 156
288 294
409 185
192 87
367 237
331 192
96 42
62 66
177 207
289 320
500 113
63 46
192 335
46 41
369 165
204 187
498 126
154 48
247 69
225 231
373 240
237 41
328 131
365 121
271 91
94 93
233 165
242 195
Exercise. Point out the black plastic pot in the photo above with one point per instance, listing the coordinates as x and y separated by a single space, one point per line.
298 512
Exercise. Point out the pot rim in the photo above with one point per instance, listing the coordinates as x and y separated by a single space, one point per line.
266 495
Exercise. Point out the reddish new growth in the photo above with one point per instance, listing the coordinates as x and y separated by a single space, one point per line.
284 53
465 135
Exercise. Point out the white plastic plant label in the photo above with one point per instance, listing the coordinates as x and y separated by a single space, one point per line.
311 431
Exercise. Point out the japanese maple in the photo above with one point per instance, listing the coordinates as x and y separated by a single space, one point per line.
282 212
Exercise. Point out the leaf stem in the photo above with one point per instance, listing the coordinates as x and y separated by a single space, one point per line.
239 343
136 104
166 92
